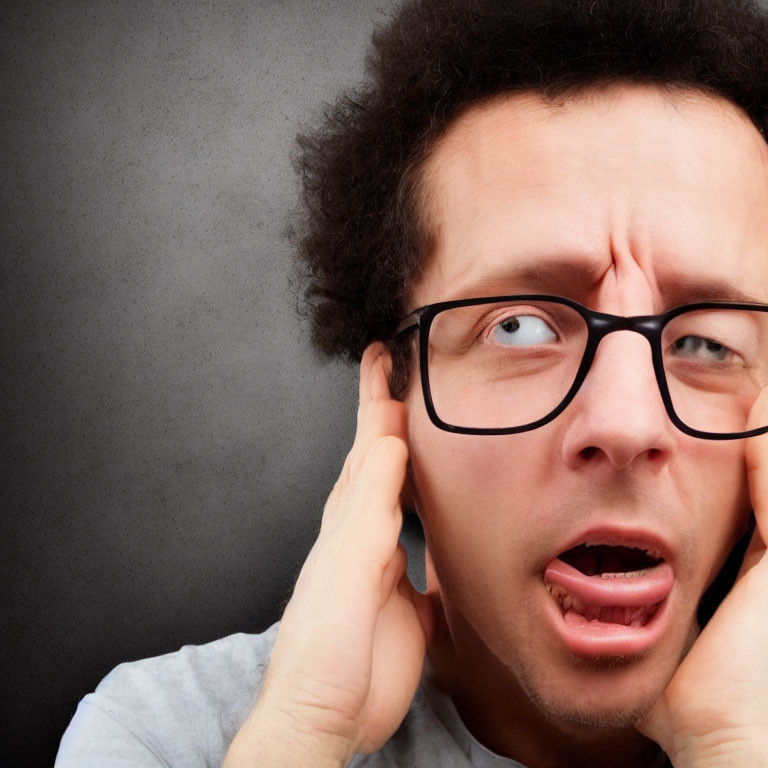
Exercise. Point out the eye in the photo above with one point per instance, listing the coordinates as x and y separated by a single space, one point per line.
699 348
521 331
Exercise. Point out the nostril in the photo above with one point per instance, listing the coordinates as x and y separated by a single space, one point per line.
617 452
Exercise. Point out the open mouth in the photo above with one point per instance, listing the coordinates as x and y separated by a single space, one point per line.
608 562
605 584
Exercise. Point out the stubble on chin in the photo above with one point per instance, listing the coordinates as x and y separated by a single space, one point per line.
595 714
589 715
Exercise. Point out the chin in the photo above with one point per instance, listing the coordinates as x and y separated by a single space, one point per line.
604 706
609 692
591 675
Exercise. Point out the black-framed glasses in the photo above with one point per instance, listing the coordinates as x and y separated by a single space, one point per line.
506 364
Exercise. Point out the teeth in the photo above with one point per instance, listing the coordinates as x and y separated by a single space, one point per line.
653 553
641 616
629 617
624 575
565 601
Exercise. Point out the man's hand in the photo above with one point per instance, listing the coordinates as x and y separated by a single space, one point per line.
714 712
351 644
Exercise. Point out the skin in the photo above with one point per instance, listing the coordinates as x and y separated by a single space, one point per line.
619 214
630 200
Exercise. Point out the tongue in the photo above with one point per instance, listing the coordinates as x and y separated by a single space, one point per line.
630 592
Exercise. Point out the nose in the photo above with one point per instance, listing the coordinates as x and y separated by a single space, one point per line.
618 417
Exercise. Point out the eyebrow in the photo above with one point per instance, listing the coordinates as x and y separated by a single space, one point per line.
535 275
680 289
575 278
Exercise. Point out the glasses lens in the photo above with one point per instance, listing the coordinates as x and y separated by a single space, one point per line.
716 363
503 365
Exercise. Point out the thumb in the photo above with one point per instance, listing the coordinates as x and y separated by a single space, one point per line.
756 456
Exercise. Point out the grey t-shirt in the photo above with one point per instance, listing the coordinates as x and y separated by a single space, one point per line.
183 709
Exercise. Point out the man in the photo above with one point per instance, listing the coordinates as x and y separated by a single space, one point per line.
523 192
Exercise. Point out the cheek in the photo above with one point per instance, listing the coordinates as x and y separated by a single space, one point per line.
475 493
486 499
720 506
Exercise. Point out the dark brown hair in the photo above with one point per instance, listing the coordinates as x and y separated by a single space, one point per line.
362 241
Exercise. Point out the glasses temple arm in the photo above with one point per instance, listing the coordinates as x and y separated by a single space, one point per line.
407 325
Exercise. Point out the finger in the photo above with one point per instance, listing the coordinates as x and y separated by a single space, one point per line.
424 605
365 502
370 355
379 382
356 454
756 456
396 569
373 525
361 522
754 553
377 417
378 414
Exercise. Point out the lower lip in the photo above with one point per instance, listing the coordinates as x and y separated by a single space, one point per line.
594 639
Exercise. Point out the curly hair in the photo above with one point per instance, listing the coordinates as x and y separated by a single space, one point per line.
363 239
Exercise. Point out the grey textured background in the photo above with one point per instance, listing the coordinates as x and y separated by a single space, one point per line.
169 436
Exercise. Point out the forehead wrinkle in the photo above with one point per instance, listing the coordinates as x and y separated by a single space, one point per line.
535 267
442 183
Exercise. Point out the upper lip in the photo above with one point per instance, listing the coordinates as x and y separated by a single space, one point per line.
614 535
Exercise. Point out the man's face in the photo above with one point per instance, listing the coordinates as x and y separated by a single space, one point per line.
629 201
